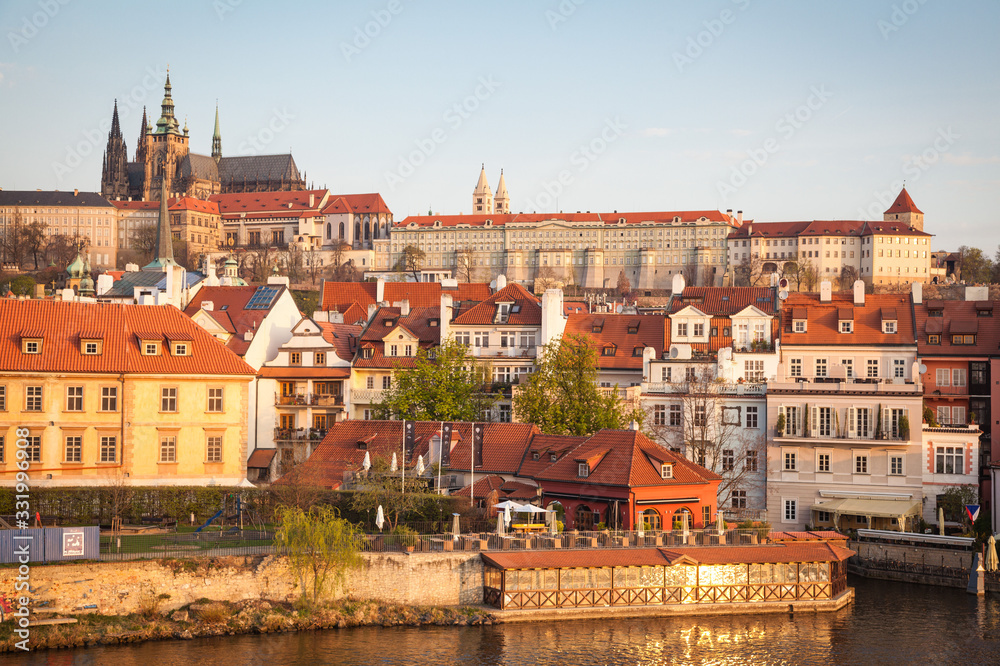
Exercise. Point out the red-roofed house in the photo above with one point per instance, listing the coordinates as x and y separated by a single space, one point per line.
131 392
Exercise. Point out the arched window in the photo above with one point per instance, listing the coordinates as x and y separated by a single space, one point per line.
341 231
651 520
376 231
368 230
329 230
682 519
583 519
357 231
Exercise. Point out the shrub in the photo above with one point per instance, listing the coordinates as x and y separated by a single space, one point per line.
214 613
148 605
780 425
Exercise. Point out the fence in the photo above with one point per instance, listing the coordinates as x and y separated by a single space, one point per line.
48 544
120 547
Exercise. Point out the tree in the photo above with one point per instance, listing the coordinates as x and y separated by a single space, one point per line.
13 240
976 267
545 278
562 397
708 276
451 386
381 487
808 275
748 272
624 286
63 249
690 273
346 272
320 546
411 260
711 434
465 268
144 242
848 276
954 499
34 240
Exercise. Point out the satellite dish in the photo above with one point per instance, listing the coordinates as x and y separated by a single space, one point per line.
783 284
673 352
922 369
618 308
783 294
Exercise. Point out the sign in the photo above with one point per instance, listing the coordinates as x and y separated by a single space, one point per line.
72 544
973 511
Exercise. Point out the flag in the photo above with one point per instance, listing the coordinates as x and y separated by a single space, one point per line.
446 445
409 439
973 511
477 444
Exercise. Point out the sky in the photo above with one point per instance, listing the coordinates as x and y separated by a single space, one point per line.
785 110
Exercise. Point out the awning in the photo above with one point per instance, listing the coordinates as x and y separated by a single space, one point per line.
261 458
871 507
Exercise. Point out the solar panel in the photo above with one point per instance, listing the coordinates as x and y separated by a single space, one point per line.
261 299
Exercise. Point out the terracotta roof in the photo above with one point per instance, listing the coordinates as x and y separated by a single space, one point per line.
517 490
356 203
545 446
499 220
343 337
528 305
726 300
174 203
261 458
822 320
273 204
60 323
957 317
575 307
294 372
503 446
340 295
416 322
630 557
819 228
229 311
650 331
482 487
903 204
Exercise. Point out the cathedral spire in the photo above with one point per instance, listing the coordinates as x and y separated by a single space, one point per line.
167 124
140 147
217 138
114 172
164 239
501 202
482 196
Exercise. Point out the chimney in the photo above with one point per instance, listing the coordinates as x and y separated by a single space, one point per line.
312 200
918 292
208 306
248 336
553 317
404 307
501 281
335 317
76 192
371 311
859 292
825 291
739 217
634 425
322 316
677 285
447 305
379 290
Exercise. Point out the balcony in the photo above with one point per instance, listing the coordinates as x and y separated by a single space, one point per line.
367 396
310 400
832 385
290 436
867 439
759 347
719 389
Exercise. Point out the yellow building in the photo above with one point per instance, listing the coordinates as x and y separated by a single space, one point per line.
119 393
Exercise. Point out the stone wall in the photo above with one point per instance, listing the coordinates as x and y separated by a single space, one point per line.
932 557
440 579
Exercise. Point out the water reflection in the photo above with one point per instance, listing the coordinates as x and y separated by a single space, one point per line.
889 623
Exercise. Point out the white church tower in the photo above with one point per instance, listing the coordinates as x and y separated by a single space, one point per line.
482 197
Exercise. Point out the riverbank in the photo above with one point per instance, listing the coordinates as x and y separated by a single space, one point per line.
234 618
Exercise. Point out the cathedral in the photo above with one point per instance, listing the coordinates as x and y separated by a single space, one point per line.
163 155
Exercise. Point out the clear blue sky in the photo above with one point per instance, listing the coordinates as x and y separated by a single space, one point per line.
832 103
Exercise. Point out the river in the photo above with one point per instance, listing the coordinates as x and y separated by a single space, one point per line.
889 623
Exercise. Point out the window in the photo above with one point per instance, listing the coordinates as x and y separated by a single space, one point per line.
728 460
699 330
3 399
963 339
888 327
109 446
700 419
168 449
751 461
752 417
393 350
682 329
872 368
933 339
74 398
790 510
950 460
666 471
799 326
370 382
895 464
659 415
738 499
706 515
180 349
690 375
860 463
527 340
295 358
409 350
150 348
795 367
213 449
583 470
848 364
33 398
898 368
823 517
504 411
34 448
790 461
168 399
482 339
386 382
74 449
665 374
675 415
821 367
462 337
753 371
847 326
91 348
319 358
958 377
823 462
215 400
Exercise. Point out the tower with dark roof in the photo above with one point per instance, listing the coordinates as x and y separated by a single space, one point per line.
114 172
217 138
904 210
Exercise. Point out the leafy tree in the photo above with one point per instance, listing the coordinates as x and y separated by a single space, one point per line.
561 397
306 301
954 499
976 267
451 386
321 546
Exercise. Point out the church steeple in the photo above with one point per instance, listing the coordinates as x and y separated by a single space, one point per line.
167 124
140 147
164 239
217 138
482 196
501 202
114 174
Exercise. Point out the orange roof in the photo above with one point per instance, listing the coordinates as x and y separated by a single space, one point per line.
822 320
340 295
229 311
529 308
287 204
418 323
955 317
818 228
726 300
482 487
175 203
607 330
60 324
356 203
343 337
903 204
295 372
498 220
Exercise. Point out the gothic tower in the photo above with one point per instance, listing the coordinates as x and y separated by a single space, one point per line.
217 138
165 146
482 196
114 173
501 202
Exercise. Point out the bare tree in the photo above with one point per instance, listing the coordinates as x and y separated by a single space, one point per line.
412 260
464 267
809 275
13 241
63 249
708 276
624 286
690 273
709 430
748 272
545 278
848 276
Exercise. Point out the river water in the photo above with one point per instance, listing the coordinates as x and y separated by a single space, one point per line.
889 623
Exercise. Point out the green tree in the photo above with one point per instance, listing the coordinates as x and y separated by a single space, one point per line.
954 499
320 546
976 266
381 487
561 397
451 386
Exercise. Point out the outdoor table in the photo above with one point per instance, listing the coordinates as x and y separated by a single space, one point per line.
442 544
528 528
550 542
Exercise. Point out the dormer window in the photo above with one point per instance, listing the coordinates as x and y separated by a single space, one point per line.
846 326
637 351
535 455
888 326
633 327
367 352
799 326
682 330
666 471
91 347
933 339
597 326
608 350
31 345
181 349
553 457
583 470
150 348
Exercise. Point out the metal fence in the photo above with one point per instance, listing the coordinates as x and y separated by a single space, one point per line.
118 547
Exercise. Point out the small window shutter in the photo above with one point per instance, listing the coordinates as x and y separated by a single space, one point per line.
852 426
814 421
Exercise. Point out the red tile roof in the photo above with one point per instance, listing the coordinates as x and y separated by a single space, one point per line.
261 458
516 490
819 228
529 306
957 315
726 300
355 203
340 295
343 337
503 446
60 324
903 204
417 322
822 320
575 307
295 372
498 220
228 309
272 204
482 487
651 331
182 203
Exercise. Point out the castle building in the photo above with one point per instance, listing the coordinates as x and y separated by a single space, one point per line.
484 202
163 153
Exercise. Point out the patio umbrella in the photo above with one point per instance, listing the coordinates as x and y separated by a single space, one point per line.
379 518
991 554
454 526
367 462
506 515
420 465
507 505
720 522
394 465
500 529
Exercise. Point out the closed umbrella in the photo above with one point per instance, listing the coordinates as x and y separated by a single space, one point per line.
420 465
379 518
367 462
500 529
394 465
991 554
721 522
